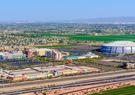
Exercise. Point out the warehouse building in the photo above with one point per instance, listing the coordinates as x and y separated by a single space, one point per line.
45 72
119 47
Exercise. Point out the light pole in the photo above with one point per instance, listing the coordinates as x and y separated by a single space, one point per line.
1 73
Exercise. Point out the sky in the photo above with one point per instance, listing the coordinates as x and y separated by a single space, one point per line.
58 10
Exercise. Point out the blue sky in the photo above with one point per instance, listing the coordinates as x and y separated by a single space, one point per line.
54 10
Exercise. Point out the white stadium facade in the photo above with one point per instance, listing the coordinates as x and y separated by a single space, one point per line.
119 47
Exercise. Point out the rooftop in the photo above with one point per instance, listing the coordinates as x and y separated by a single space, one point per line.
120 43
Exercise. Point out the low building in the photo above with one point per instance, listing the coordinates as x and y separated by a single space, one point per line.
88 55
129 65
45 72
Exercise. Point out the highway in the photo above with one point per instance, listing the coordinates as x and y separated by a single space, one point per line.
67 78
83 83
14 89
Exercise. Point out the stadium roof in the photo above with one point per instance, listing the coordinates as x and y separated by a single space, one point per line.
121 43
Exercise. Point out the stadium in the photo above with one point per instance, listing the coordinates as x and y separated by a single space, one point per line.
119 47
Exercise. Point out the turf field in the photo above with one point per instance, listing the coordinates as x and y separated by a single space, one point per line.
130 90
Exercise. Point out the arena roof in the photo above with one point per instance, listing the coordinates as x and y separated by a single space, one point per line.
121 43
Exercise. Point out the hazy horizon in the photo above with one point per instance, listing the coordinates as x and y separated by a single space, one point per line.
60 10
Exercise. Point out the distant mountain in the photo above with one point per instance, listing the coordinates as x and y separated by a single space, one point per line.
111 20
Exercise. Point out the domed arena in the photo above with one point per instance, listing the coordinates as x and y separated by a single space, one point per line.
119 47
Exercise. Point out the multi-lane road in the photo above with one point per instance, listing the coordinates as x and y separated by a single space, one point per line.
89 79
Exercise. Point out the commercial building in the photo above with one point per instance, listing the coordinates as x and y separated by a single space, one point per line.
43 52
45 72
119 47
48 53
12 55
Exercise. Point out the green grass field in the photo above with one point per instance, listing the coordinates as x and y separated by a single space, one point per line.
56 46
90 37
130 90
62 35
106 38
